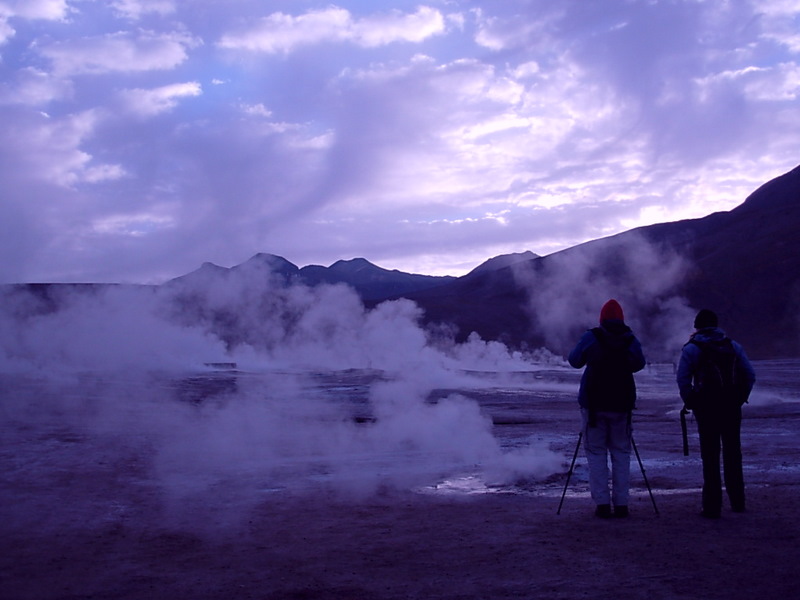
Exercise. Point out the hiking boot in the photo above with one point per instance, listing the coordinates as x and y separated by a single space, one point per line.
738 508
621 512
603 511
710 514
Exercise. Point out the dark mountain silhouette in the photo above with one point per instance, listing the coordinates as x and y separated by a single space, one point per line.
504 260
370 281
744 264
260 265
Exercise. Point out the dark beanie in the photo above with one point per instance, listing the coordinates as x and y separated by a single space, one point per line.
705 318
611 310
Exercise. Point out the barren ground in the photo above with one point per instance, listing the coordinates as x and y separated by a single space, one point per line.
82 516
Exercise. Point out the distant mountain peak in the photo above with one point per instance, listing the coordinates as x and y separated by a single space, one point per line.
210 266
266 258
354 264
504 260
783 191
204 272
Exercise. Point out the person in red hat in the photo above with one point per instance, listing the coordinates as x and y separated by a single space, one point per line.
611 354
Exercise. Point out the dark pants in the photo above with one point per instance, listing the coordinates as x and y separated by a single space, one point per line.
715 427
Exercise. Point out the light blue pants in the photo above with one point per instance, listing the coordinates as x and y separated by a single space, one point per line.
610 434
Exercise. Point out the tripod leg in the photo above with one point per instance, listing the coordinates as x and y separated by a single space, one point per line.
684 432
569 473
647 483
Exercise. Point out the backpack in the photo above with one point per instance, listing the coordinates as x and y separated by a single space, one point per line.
609 382
715 377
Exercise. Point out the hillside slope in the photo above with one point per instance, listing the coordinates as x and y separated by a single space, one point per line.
744 264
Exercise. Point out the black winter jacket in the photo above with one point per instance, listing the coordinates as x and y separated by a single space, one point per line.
611 354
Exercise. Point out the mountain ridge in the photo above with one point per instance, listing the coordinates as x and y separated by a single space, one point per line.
743 263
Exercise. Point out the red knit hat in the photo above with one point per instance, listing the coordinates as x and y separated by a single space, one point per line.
611 310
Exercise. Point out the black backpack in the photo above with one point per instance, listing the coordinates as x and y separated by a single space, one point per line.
715 378
609 384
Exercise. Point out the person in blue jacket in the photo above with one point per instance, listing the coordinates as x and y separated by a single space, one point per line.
715 379
607 396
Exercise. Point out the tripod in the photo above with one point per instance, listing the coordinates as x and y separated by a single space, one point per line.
572 468
569 473
684 432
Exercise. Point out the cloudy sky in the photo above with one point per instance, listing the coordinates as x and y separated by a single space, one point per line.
141 138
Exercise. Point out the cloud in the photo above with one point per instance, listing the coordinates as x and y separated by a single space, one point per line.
6 31
49 149
779 20
280 32
247 315
136 9
132 360
32 87
426 139
53 10
131 224
118 52
154 101
36 9
779 83
110 330
379 30
512 29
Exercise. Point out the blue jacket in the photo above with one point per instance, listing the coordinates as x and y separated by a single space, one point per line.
690 356
607 383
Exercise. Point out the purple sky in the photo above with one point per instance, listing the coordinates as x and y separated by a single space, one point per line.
140 138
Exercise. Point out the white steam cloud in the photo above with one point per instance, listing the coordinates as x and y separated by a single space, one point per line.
567 290
155 364
145 361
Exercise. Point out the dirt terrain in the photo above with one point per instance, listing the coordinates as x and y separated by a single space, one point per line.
84 515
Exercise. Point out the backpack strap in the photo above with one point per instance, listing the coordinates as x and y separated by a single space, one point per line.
601 335
725 344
